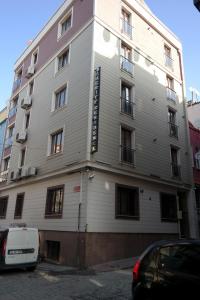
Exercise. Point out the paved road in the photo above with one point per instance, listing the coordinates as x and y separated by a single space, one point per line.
41 285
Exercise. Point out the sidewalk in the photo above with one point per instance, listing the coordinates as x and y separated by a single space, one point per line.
126 263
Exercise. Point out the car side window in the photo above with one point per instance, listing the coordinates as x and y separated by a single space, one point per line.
149 261
181 258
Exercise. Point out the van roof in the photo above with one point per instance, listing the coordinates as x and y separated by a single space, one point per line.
2 229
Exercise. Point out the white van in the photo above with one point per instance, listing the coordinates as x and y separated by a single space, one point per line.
19 248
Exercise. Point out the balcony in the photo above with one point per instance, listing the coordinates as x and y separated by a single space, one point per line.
8 142
12 112
127 107
126 27
127 155
16 84
127 65
176 170
168 61
171 94
173 130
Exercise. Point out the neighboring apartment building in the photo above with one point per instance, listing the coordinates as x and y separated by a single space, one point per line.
195 143
100 159
3 121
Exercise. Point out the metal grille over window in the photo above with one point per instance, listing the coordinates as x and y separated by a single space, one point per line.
54 202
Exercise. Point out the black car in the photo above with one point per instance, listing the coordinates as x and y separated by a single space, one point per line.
168 270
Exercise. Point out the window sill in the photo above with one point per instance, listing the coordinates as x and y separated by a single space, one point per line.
54 112
128 218
169 221
53 216
60 36
50 156
61 70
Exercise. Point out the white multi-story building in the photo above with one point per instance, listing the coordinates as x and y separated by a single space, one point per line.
99 159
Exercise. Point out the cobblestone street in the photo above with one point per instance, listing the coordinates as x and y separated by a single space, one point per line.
44 285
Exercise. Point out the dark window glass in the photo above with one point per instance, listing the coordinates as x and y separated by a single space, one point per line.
63 59
168 205
60 98
31 84
27 120
127 202
66 24
19 206
3 207
56 142
53 250
181 258
54 202
23 152
6 163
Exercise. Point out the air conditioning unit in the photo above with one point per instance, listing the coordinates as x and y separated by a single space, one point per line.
32 171
26 102
30 71
24 172
21 137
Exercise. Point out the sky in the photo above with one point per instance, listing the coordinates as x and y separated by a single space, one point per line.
21 20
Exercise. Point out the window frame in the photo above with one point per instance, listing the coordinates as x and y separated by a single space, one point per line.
50 153
54 214
35 52
58 91
20 165
17 206
117 194
60 55
60 33
3 216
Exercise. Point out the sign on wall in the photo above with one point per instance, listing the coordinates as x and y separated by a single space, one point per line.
95 111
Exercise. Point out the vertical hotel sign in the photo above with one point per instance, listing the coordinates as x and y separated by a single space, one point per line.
95 111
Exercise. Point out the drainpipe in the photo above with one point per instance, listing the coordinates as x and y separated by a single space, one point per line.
79 222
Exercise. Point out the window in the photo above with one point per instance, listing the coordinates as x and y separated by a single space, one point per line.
54 201
126 100
173 128
22 157
31 85
3 206
127 202
53 250
197 160
168 59
19 206
182 258
35 57
10 131
27 120
126 23
56 142
66 24
174 162
171 94
127 152
126 59
63 59
6 163
60 98
168 205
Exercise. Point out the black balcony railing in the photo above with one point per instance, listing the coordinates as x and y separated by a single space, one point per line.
126 27
173 130
176 170
127 155
127 65
127 106
168 61
171 94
